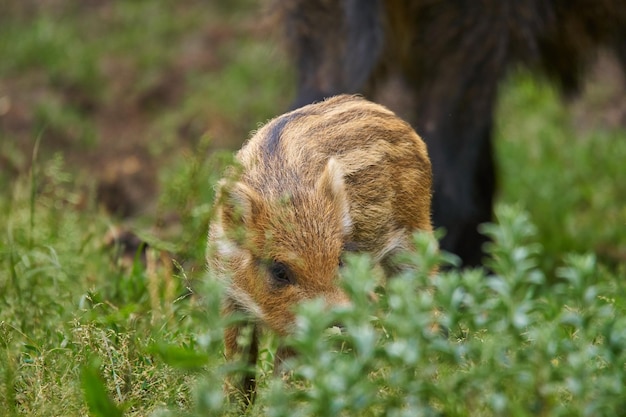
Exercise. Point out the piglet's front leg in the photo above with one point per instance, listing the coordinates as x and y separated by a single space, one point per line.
241 385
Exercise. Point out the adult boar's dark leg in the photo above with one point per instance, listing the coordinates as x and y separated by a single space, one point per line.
335 45
456 60
464 187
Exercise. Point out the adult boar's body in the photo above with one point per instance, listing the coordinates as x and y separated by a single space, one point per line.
438 64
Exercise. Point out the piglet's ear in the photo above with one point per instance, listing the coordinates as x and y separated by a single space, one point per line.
239 204
331 184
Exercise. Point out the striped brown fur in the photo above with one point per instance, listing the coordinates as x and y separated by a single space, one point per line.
343 173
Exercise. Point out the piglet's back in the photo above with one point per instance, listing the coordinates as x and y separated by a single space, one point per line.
385 165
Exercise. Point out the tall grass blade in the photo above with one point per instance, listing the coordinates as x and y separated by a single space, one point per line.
96 395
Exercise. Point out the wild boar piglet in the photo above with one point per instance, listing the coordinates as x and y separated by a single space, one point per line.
340 175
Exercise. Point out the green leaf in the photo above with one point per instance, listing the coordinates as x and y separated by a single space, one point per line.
181 357
95 393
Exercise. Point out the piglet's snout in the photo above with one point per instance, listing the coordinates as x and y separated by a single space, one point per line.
337 299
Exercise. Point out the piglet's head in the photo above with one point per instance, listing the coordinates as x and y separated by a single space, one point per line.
282 243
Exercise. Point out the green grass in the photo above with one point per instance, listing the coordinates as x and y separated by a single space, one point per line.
84 333
568 180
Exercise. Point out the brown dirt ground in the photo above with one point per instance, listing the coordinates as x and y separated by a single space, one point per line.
121 162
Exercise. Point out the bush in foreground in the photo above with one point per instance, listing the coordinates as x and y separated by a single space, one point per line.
515 342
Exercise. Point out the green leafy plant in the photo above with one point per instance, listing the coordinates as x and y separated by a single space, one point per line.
460 343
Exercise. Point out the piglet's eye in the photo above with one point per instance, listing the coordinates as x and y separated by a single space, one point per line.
281 273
